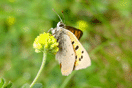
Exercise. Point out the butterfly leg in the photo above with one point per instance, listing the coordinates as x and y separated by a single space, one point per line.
50 30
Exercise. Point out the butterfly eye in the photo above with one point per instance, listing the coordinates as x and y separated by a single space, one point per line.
61 25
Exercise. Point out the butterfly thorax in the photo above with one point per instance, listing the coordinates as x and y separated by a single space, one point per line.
58 31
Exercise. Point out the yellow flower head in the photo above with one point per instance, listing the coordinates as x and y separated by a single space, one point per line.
10 20
82 25
45 41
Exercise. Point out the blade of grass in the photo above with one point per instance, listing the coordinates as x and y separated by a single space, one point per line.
67 79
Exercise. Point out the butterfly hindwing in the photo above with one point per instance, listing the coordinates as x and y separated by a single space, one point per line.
82 59
65 55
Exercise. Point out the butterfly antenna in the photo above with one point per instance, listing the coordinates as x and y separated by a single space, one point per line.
63 16
57 15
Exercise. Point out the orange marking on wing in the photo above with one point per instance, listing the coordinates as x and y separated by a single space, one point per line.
78 33
60 65
76 62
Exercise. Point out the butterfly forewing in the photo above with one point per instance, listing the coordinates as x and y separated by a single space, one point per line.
78 33
65 55
82 59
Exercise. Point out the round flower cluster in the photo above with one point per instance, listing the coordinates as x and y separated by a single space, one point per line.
45 41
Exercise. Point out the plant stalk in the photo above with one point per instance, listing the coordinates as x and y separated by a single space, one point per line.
40 70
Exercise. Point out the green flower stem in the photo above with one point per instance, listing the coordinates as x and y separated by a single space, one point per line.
40 70
67 79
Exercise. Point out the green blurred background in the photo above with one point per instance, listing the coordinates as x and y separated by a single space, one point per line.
107 38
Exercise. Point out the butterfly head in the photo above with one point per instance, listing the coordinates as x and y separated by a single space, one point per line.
56 31
60 25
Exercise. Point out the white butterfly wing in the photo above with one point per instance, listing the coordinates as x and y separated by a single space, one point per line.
82 58
85 61
65 55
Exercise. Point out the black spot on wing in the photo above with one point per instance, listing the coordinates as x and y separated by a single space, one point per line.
72 42
76 47
82 51
76 57
81 57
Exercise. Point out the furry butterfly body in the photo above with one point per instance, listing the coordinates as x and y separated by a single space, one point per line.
71 54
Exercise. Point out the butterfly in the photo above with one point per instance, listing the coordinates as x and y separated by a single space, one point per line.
71 55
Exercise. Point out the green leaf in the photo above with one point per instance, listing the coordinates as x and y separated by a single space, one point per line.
8 85
2 81
26 86
38 85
